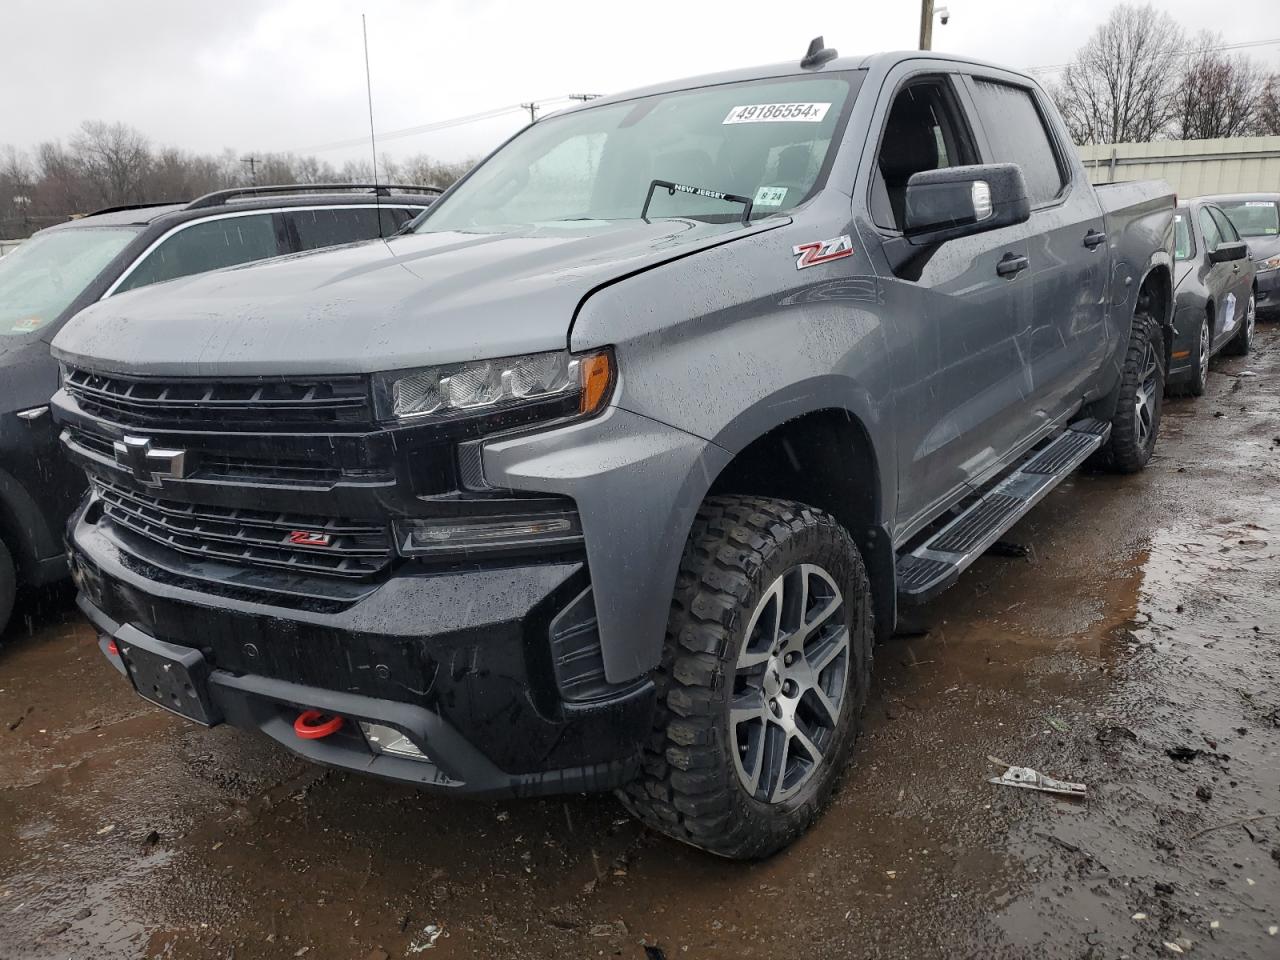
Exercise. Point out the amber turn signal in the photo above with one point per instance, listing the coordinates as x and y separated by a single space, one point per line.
597 381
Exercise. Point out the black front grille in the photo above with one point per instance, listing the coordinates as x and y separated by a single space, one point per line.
272 403
204 466
260 538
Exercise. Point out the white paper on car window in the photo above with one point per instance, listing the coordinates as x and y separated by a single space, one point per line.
778 113
1258 203
770 197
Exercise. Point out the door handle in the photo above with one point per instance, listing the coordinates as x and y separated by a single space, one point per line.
1011 264
1094 238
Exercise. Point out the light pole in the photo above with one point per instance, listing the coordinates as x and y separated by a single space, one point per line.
927 13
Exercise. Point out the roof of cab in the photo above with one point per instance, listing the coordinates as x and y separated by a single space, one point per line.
790 68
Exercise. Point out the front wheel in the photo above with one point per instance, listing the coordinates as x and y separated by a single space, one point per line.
1136 422
1199 364
763 679
1242 342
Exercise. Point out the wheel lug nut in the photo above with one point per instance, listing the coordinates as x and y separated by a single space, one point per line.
773 706
789 688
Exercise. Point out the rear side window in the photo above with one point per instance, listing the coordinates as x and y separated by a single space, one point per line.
1017 133
332 226
207 245
1184 247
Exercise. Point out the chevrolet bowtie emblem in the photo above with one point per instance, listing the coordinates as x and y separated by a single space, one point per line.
147 463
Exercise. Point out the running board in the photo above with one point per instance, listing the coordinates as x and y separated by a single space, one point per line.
936 564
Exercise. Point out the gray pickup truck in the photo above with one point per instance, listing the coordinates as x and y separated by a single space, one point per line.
609 470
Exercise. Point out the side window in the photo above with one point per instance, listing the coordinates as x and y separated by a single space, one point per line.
1225 227
1017 134
1212 237
207 245
331 226
924 131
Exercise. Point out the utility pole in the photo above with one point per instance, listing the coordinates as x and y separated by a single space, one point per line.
253 162
533 111
926 24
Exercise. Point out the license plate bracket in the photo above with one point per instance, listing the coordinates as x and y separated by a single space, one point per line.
169 675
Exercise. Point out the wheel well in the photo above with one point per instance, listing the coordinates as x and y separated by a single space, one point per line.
1155 295
824 459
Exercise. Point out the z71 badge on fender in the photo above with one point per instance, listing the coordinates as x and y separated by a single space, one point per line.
822 251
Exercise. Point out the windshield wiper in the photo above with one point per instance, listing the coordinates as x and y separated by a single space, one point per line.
674 188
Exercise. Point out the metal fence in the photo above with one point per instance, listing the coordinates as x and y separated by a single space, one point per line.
1191 167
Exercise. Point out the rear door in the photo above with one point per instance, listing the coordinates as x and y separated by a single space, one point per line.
957 316
1236 279
1217 278
1066 340
311 228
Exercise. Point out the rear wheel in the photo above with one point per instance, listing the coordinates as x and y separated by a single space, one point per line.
1136 422
8 585
1242 342
763 679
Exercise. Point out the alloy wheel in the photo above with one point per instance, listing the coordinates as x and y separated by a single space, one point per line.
1145 398
789 683
1204 351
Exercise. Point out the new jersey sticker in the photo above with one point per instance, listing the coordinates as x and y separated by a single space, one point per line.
822 251
778 113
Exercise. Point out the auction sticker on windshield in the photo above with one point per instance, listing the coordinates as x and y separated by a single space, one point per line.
778 113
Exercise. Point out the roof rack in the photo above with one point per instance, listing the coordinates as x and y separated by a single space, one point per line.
133 206
220 197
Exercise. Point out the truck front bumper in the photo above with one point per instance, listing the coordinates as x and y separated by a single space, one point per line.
457 662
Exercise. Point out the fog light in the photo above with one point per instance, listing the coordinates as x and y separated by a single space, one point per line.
474 534
389 740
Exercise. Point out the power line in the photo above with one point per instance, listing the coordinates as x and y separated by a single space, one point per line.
436 125
1185 52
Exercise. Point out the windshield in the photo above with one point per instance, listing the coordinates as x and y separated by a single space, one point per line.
770 141
41 278
1253 218
1184 247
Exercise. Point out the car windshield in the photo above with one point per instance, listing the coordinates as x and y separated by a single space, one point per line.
1253 218
41 278
1184 247
771 141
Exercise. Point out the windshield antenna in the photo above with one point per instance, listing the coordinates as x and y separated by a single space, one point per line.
373 143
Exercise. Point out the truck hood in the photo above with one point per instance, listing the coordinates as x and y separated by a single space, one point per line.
409 301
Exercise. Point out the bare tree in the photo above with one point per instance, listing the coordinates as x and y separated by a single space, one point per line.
1119 87
1267 123
110 164
114 158
1218 95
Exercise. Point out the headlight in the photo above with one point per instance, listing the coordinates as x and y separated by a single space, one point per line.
489 386
1271 263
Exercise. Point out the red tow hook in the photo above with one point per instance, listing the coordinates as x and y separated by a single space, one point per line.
112 648
314 725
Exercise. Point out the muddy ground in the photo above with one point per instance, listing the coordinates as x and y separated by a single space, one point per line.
1145 620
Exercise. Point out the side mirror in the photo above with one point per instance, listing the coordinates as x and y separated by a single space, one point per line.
1228 251
956 202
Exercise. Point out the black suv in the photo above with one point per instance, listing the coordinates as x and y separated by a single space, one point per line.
64 268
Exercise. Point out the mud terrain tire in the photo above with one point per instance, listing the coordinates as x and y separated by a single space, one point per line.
741 554
8 585
1135 425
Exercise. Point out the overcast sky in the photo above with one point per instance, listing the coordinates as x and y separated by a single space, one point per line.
280 75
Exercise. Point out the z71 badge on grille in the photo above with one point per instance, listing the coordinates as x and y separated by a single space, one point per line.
822 251
310 538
